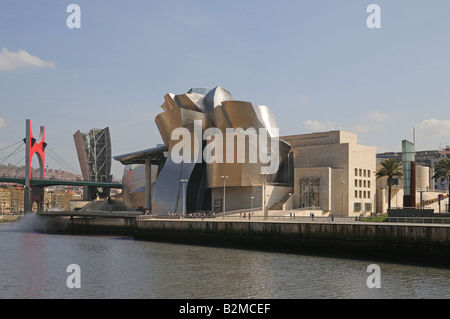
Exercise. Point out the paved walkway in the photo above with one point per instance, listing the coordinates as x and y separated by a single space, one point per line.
287 217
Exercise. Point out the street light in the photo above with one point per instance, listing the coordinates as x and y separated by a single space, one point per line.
184 196
342 198
251 203
421 198
224 182
264 197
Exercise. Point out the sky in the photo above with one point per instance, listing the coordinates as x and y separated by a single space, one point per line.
315 63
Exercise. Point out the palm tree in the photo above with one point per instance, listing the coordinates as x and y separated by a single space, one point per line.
390 168
442 170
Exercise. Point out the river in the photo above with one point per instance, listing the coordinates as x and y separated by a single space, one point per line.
35 265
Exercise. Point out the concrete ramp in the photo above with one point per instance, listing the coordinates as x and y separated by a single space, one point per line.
95 205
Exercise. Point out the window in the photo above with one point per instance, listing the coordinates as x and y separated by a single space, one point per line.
365 194
364 173
356 172
357 207
368 194
368 207
368 184
360 172
368 173
365 184
360 194
356 194
356 183
360 183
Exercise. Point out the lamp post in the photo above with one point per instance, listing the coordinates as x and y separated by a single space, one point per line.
251 203
224 183
184 195
264 197
342 182
421 191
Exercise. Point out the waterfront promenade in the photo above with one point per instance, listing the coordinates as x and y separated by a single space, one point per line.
302 217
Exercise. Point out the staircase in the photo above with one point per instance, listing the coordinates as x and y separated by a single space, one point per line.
279 205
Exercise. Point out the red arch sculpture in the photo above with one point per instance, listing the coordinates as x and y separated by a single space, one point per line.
37 147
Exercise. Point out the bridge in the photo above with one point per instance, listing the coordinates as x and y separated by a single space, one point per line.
34 188
50 182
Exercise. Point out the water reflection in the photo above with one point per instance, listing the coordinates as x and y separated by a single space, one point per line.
34 266
32 261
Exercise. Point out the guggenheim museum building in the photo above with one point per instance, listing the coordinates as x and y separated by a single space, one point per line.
220 154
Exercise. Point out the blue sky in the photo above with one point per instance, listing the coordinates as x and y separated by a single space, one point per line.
316 64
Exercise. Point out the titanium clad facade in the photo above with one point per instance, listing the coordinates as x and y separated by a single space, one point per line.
192 182
224 140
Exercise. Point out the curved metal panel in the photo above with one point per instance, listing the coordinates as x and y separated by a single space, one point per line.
133 182
248 173
173 119
215 97
169 103
191 101
221 119
168 190
167 122
241 114
267 118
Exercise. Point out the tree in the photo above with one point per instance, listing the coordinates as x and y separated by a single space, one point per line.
442 170
390 169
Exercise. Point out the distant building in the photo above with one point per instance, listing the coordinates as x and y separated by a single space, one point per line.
428 159
58 200
397 192
5 201
17 199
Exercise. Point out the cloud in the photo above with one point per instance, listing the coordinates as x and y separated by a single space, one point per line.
434 128
379 117
2 123
314 125
14 60
373 122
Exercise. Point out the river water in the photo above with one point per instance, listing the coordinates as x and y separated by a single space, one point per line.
35 265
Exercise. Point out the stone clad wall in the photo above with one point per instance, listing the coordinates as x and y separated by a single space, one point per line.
414 240
418 242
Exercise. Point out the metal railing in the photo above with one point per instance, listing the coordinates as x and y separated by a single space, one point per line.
418 220
198 215
319 219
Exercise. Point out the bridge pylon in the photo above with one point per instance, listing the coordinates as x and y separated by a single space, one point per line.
33 146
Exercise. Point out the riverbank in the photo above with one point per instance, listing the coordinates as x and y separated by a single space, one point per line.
418 243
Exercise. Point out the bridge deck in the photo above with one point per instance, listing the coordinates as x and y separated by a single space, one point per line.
49 182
